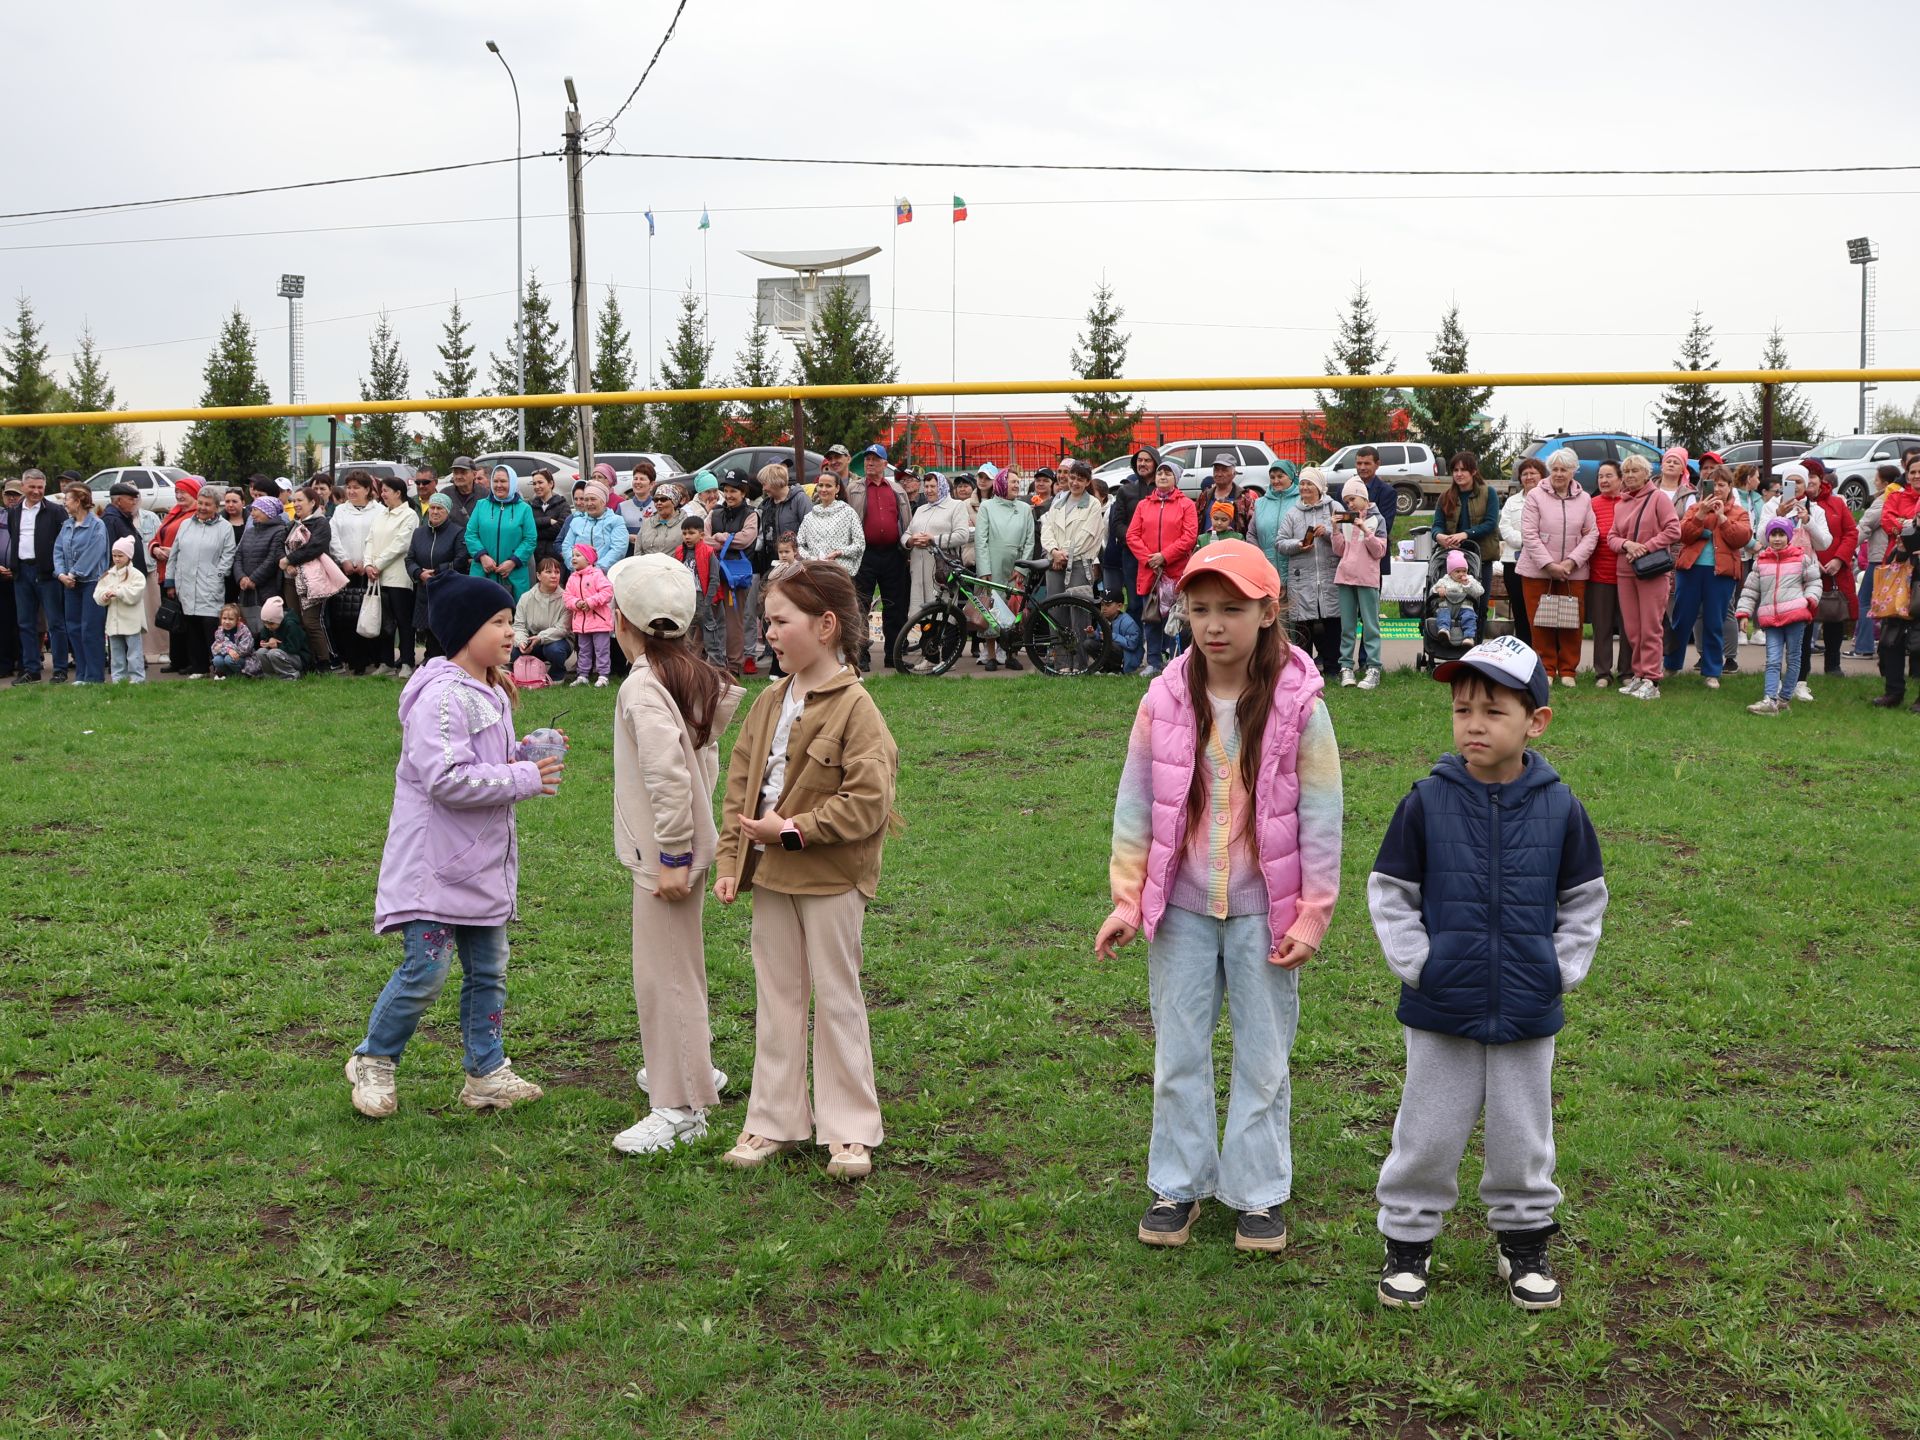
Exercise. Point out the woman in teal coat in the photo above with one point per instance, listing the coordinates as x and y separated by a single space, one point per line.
1283 493
501 534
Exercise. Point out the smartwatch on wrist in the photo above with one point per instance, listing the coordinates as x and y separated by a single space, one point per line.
790 837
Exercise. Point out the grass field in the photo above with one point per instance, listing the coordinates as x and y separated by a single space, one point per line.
202 1238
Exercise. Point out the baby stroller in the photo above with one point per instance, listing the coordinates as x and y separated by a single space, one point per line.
1436 644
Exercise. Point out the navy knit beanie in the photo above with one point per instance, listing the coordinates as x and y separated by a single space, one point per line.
459 605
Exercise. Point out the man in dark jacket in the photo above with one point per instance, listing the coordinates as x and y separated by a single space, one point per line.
467 488
33 525
1380 494
121 515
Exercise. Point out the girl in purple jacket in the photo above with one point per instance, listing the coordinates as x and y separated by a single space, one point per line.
451 867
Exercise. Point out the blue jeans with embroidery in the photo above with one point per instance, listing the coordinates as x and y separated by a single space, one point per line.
1193 963
430 948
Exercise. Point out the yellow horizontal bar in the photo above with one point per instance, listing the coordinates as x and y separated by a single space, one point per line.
1508 381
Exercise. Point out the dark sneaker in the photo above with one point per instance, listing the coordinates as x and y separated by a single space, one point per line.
59 677
1885 702
1261 1229
1013 663
1403 1279
1167 1222
1525 1268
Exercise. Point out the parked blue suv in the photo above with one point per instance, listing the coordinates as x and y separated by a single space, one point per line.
1592 449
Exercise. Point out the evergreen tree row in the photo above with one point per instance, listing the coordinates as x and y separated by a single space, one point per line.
28 385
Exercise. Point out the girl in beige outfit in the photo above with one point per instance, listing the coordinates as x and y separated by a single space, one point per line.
667 720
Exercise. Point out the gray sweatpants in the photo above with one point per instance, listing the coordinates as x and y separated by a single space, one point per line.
1449 1082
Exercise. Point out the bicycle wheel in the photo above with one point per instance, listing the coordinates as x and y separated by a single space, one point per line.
931 640
1067 636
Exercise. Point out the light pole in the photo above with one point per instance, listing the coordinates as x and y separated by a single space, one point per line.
294 289
1860 252
519 290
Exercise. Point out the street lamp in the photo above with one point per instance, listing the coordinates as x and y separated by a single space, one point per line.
293 288
1860 252
519 291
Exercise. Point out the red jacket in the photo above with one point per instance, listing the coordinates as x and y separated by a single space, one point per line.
1846 536
1605 566
1164 523
1900 506
702 566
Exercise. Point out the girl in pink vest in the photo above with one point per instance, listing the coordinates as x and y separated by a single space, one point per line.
1226 851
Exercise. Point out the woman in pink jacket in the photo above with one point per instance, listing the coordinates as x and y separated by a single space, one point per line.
1558 535
1360 540
1226 851
1644 523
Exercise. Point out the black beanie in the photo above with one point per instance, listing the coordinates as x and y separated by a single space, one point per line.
459 605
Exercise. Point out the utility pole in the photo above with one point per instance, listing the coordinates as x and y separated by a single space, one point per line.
577 251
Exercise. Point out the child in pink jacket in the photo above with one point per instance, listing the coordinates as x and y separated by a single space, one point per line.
590 609
1360 542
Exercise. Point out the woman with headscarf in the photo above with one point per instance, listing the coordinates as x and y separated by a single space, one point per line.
942 522
1644 522
659 533
437 551
1306 538
1002 535
186 500
1271 510
352 522
599 528
258 548
501 534
310 537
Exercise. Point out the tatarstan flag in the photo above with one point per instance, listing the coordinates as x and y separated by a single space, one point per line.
959 209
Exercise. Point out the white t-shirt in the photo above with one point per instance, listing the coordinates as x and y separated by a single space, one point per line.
29 541
776 774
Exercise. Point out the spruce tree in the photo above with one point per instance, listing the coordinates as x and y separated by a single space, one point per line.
760 422
552 429
89 448
845 347
692 433
616 427
1350 417
28 387
1690 413
383 436
454 432
1794 417
160 452
228 451
1456 419
1103 421
310 459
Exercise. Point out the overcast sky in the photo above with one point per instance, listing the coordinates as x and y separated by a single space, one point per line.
1219 274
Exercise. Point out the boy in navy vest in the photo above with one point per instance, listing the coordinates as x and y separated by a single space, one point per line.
1487 898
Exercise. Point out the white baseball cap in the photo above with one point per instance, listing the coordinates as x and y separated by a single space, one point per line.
1505 660
656 593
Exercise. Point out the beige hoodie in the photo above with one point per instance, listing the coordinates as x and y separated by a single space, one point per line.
662 785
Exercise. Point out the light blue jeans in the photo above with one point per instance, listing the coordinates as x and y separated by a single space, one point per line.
1783 659
430 946
1193 963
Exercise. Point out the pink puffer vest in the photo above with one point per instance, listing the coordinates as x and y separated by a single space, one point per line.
1276 792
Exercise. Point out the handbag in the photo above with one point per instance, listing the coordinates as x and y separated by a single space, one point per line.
1892 592
1555 611
167 616
1653 564
367 627
736 569
1833 602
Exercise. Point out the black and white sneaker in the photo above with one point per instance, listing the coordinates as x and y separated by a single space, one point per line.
1167 1222
1264 1229
1525 1268
1403 1279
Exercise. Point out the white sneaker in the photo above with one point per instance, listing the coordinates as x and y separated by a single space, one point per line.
405 671
600 683
719 1080
1713 682
1764 707
1802 693
501 1090
1647 691
1567 681
1346 677
579 680
373 1092
1599 682
1370 681
662 1130
1147 672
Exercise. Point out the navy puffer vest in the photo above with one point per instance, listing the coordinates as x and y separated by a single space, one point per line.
1490 901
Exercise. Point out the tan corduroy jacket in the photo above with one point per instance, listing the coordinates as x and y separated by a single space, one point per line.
662 784
841 764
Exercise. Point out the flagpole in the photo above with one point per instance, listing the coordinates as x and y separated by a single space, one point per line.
650 370
893 300
953 339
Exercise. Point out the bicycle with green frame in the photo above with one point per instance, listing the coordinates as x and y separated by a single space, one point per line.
1062 634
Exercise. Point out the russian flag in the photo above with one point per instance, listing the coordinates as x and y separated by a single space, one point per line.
902 211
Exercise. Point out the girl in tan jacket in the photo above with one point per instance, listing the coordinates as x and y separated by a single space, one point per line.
809 799
667 719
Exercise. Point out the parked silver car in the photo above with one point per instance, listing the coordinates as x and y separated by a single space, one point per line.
1851 461
154 482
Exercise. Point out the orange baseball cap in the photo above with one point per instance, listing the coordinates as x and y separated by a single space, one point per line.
1241 565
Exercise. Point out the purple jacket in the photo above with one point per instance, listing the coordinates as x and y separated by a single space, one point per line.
452 854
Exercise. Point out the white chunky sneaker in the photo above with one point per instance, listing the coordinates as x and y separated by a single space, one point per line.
1346 677
373 1092
662 1130
1370 681
500 1090
1802 694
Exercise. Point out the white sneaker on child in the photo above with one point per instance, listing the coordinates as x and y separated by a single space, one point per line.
373 1092
600 683
498 1090
662 1130
579 680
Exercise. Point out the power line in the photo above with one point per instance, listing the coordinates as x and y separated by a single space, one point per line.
606 127
260 189
1246 169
